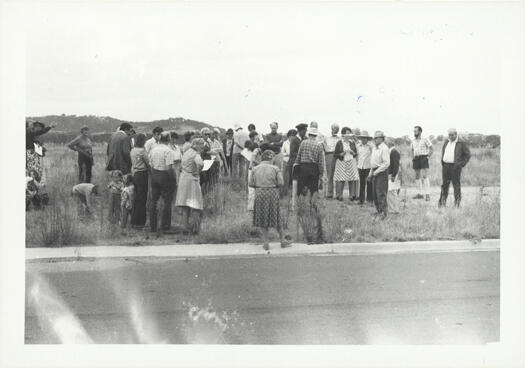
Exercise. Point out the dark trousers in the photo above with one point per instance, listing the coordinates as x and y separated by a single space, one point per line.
380 189
125 214
114 208
308 179
84 168
229 164
138 216
162 185
451 173
365 186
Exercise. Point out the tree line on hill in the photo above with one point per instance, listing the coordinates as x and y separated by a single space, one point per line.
68 127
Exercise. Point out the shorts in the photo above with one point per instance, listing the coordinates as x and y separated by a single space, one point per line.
420 162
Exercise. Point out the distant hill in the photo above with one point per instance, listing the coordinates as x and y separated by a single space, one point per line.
107 124
101 127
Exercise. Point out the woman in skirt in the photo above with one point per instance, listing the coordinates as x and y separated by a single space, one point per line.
34 149
189 195
345 164
266 178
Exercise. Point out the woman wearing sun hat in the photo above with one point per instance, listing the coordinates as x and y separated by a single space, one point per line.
345 164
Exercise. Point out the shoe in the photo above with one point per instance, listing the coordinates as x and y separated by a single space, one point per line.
419 196
427 198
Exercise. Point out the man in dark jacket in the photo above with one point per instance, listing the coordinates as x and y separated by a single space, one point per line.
227 146
454 156
394 182
119 148
295 143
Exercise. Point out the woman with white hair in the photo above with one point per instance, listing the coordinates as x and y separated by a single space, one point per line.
189 195
266 178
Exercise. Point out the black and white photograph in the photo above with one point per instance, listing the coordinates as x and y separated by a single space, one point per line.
263 175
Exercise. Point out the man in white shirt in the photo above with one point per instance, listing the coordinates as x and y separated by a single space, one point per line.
239 162
163 181
455 155
364 153
329 143
153 141
421 151
380 162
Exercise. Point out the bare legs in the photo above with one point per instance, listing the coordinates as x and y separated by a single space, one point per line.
187 212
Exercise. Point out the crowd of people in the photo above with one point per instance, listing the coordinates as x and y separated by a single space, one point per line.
302 163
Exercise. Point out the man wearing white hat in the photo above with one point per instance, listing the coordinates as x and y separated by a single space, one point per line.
380 162
239 163
311 161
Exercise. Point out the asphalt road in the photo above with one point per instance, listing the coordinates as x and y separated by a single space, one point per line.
433 298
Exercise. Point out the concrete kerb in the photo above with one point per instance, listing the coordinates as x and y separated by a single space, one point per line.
250 250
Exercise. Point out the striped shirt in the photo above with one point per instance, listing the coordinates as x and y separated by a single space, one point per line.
421 146
311 151
161 157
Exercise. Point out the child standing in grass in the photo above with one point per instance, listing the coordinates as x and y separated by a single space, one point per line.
127 200
115 187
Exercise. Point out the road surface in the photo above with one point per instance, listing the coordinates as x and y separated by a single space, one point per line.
424 298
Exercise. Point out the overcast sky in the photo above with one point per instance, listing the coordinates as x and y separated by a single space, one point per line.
374 66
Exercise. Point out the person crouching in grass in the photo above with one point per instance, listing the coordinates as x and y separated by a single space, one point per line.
127 201
267 178
84 193
35 191
115 188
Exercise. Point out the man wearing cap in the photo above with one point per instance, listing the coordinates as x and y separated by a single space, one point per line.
380 162
119 149
163 181
311 161
329 148
454 156
239 162
153 141
364 154
421 150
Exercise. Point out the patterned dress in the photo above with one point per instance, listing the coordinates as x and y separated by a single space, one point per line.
189 192
346 169
266 179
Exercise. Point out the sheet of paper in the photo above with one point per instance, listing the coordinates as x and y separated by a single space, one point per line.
247 154
207 165
38 149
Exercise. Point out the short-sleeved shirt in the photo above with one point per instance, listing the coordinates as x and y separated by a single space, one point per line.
266 175
364 154
150 143
421 146
161 156
311 151
139 159
239 137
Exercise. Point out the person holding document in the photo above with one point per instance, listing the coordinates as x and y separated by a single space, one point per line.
34 149
189 195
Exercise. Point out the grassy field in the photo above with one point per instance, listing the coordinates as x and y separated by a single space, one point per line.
226 219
